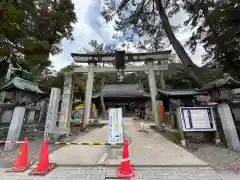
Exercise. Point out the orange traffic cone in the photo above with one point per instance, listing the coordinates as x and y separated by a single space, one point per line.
22 163
125 171
43 165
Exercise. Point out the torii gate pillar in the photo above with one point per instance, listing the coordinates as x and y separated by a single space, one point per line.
153 91
88 95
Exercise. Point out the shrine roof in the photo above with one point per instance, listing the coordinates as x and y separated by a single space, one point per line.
23 85
225 81
122 90
178 92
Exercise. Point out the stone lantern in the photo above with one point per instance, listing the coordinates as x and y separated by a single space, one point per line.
220 90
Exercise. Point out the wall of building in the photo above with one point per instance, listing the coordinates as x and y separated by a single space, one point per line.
20 96
136 103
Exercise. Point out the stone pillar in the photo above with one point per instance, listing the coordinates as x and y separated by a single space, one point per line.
15 127
43 112
153 90
52 114
66 107
88 95
103 110
229 127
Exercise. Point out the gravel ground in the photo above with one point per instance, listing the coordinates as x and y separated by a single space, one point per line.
7 159
220 158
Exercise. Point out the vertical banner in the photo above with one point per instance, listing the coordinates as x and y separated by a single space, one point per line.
115 126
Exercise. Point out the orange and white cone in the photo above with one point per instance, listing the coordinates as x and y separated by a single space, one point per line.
44 166
22 163
125 170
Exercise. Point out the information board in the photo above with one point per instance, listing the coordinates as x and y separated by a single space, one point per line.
115 126
197 119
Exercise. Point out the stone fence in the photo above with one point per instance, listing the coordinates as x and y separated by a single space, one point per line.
33 118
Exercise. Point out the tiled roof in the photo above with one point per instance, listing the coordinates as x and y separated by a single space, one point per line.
226 80
178 92
22 85
112 90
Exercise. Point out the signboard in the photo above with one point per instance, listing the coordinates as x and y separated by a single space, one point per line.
197 119
78 115
115 126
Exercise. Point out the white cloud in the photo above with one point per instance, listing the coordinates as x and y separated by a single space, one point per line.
91 26
184 34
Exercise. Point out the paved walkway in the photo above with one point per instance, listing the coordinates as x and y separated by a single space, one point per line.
153 149
99 173
82 155
145 149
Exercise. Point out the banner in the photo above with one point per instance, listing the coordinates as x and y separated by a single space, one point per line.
115 126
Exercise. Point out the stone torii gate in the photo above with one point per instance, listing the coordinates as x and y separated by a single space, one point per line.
150 60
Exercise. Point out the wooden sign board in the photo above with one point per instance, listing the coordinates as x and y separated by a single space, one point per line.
197 119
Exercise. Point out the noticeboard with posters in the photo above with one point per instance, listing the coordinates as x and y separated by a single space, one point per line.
197 119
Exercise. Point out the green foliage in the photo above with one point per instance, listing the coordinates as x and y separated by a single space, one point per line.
138 77
101 48
176 77
217 29
3 69
147 22
136 19
57 80
32 30
102 78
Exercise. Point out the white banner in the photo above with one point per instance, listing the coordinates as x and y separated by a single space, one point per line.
115 126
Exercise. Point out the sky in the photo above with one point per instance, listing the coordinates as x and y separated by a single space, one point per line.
91 26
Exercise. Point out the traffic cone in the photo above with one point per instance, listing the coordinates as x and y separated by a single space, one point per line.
43 165
22 163
125 170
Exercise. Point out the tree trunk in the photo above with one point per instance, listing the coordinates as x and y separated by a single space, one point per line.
192 69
